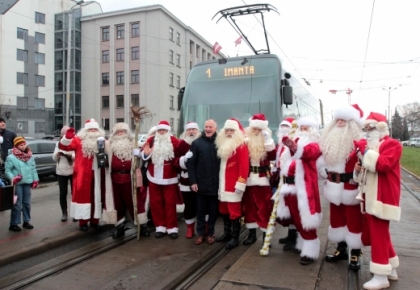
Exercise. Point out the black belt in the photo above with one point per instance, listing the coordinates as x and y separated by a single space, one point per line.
339 177
122 172
288 179
258 169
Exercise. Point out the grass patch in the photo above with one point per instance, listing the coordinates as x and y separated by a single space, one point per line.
410 159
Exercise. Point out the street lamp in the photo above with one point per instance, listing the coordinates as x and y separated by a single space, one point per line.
348 92
390 89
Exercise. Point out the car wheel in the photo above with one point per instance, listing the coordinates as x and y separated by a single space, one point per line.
412 145
405 145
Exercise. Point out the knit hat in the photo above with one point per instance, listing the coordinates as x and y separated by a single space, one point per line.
306 121
64 130
234 124
163 125
349 112
288 122
191 125
91 124
378 120
258 121
18 140
2 120
120 126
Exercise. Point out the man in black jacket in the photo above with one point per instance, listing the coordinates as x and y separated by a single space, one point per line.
7 137
203 172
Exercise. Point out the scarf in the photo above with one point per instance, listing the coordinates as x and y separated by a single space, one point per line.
24 156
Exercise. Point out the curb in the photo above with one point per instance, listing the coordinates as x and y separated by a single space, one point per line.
408 171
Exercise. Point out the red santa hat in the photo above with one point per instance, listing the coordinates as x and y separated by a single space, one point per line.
234 124
288 122
349 112
191 125
306 121
378 120
258 121
163 125
91 124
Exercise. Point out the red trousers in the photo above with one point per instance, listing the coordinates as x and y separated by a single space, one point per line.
292 202
163 206
233 209
346 225
258 206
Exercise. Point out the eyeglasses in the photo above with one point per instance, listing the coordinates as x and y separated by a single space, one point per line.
368 129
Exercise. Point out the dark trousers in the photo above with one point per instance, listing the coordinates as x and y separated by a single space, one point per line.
63 182
206 204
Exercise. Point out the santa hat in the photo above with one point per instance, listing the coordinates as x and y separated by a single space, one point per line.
234 124
191 125
163 125
258 121
64 130
91 124
120 126
378 120
288 122
152 131
305 121
349 112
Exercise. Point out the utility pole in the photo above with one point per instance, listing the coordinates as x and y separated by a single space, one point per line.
389 89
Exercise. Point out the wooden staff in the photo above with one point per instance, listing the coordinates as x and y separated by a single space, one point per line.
134 166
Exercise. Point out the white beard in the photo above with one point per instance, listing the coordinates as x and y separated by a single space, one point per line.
121 146
163 150
373 139
282 132
89 142
255 145
307 137
226 146
190 138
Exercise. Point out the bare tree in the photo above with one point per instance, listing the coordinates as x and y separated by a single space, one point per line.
411 113
4 106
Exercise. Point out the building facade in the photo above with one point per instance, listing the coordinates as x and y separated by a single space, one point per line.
139 56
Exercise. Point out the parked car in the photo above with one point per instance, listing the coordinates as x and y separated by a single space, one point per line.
142 139
414 142
42 151
405 143
51 137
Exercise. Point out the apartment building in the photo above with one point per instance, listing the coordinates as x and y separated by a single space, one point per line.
140 56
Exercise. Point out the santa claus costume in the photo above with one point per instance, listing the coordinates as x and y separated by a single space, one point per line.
88 178
382 192
234 170
257 196
339 188
163 179
299 195
191 132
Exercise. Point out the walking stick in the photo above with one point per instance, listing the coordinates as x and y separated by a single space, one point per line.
271 224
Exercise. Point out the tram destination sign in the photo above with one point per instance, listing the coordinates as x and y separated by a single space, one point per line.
228 72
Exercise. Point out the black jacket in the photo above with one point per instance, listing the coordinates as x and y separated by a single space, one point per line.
8 137
203 166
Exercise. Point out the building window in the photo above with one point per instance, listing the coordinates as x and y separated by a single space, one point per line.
171 103
120 31
22 55
171 56
22 127
59 40
171 34
39 81
39 104
178 60
106 124
39 58
178 82
120 77
120 54
190 64
135 29
191 46
135 78
22 78
59 22
105 79
178 38
39 37
22 103
105 33
135 99
39 18
105 56
120 102
120 120
105 102
135 52
179 102
171 79
22 34
171 122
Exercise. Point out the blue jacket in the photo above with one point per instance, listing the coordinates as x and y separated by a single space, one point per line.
16 166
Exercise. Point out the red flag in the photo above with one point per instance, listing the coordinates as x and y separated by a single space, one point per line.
238 41
216 48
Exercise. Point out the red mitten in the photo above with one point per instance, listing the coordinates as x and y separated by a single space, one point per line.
35 184
290 144
16 179
361 145
70 133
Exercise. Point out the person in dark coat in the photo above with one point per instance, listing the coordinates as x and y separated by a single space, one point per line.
203 173
6 141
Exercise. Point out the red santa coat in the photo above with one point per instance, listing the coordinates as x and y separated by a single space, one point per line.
82 179
343 192
166 174
262 178
383 189
233 175
183 148
302 165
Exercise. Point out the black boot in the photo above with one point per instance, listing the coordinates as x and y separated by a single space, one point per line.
285 240
252 237
291 244
355 260
234 241
144 231
227 231
339 254
119 231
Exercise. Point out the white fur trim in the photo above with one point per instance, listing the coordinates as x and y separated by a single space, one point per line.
310 248
182 163
121 221
92 124
394 262
162 181
240 186
270 145
164 127
109 216
172 230
65 141
142 218
180 208
354 241
190 221
285 122
283 211
348 113
380 269
184 187
332 192
231 124
258 124
161 229
337 235
143 156
251 225
306 121
299 242
191 125
349 197
254 179
120 126
370 159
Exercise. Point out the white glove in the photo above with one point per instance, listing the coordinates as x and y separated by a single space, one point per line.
238 191
188 155
266 135
323 172
136 152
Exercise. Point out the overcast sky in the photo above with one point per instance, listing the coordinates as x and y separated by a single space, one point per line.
364 45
